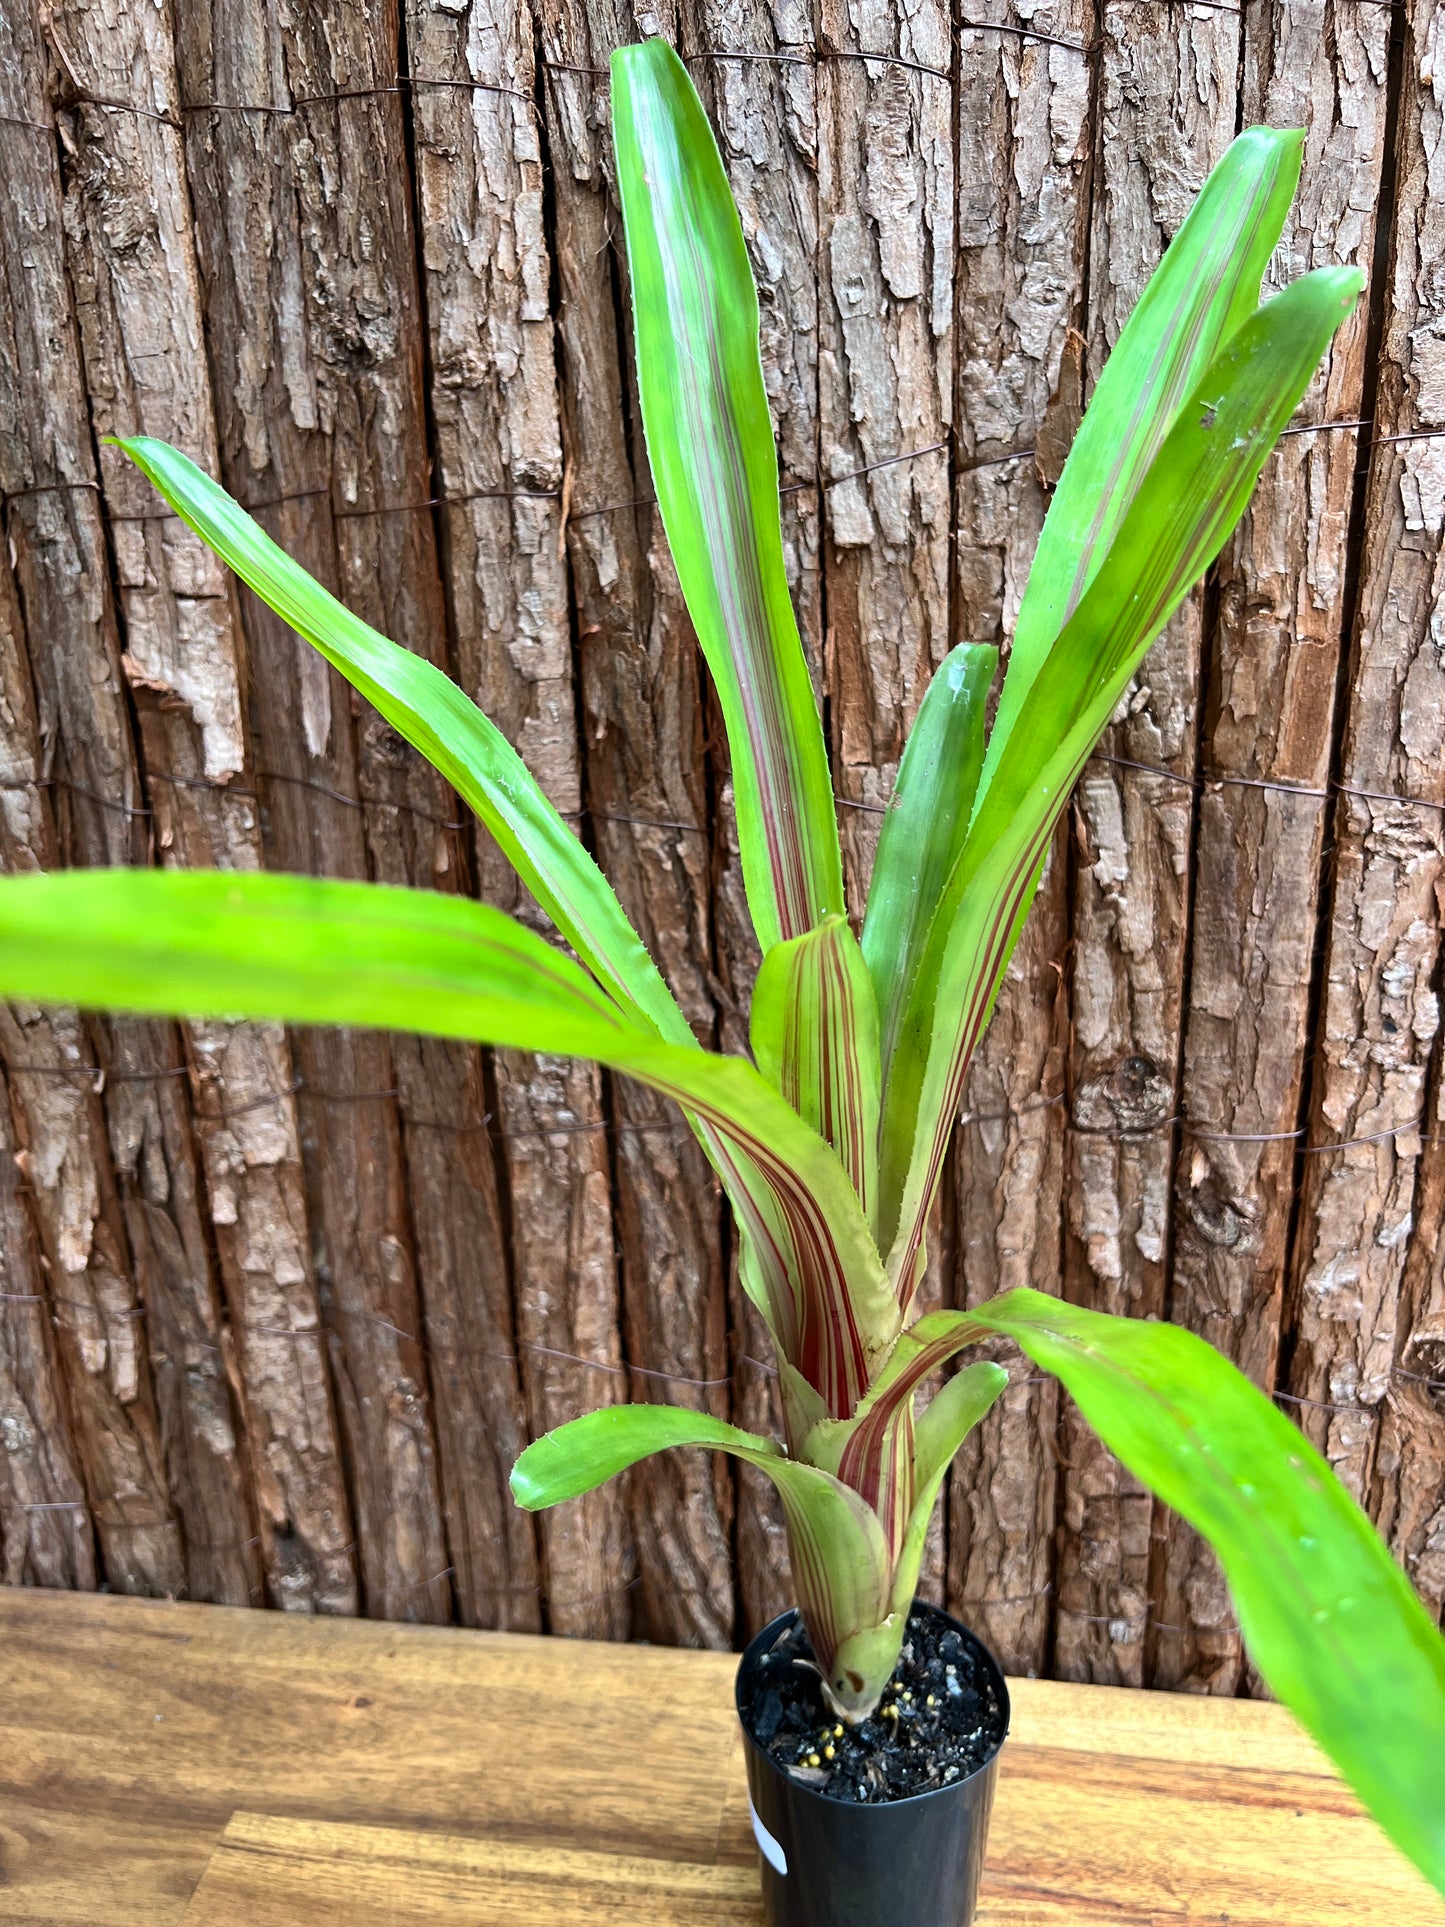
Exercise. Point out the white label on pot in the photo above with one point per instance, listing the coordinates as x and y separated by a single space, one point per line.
771 1851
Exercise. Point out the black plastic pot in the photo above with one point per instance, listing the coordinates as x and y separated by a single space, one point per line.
904 1863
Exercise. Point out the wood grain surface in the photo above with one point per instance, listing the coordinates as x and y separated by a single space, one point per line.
292 1873
176 1763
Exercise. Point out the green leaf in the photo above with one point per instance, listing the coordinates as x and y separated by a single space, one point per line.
586 1452
202 943
924 826
954 1412
1205 288
715 468
429 710
840 1564
1329 1618
1195 492
815 1036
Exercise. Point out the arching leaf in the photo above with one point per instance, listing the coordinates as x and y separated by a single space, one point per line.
1205 288
435 717
304 950
1195 492
1330 1620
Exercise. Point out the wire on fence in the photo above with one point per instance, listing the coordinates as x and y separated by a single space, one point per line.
344 512
1221 779
1216 779
612 1368
678 1127
402 83
967 465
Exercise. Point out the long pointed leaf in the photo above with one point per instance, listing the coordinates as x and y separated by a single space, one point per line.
303 950
841 1567
815 1035
1204 289
715 467
924 826
1328 1616
438 719
1195 492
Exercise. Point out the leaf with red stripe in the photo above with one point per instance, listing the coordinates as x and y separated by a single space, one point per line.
426 707
715 468
1329 1618
954 1412
879 1459
815 1035
1205 288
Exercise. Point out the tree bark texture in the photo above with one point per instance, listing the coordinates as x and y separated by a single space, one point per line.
1268 705
277 1310
1365 1335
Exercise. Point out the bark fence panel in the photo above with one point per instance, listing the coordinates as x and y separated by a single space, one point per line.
277 1310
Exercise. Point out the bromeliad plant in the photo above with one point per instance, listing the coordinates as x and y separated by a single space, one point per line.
830 1143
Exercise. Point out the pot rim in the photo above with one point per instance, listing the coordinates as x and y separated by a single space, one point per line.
769 1634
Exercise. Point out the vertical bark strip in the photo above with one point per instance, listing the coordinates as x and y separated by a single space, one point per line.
493 403
1023 152
484 273
1166 115
138 298
315 341
71 741
1268 721
1366 1297
1407 1492
46 1532
885 361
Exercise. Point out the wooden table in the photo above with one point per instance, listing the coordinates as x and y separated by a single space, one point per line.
162 1764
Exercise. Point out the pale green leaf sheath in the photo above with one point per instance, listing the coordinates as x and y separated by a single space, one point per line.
854 1586
841 1565
715 468
1329 1618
